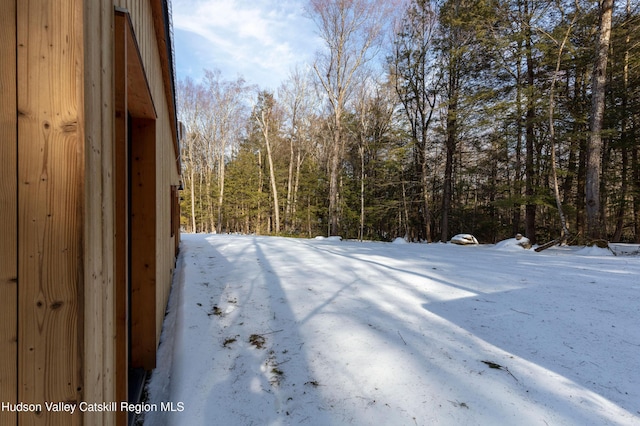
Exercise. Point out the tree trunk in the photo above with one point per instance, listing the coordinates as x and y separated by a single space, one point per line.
406 210
624 136
362 177
635 166
272 175
564 233
211 220
452 135
260 184
530 209
287 213
617 235
517 179
220 193
296 186
567 184
424 178
334 171
201 221
594 148
192 189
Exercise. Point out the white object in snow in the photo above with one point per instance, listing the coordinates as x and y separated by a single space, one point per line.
523 241
332 238
519 242
464 239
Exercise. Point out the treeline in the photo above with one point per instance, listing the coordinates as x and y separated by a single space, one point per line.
489 117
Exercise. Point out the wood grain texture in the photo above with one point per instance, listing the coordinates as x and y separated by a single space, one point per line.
8 215
99 292
50 205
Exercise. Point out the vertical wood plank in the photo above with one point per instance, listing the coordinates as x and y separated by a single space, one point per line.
99 372
143 243
50 205
121 243
8 214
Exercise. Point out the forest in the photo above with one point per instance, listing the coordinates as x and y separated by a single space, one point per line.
424 119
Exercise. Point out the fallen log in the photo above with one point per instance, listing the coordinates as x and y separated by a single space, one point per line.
552 243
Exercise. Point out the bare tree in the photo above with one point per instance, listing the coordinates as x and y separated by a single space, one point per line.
364 116
190 108
266 114
373 115
298 105
214 113
416 85
351 30
226 123
595 222
564 234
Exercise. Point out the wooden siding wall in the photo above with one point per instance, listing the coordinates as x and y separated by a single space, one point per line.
8 213
103 348
50 182
167 173
58 310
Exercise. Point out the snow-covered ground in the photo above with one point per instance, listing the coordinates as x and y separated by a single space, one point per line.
279 331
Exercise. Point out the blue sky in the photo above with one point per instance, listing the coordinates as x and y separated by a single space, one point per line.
262 40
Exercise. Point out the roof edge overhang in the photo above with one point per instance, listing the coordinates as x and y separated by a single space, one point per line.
161 10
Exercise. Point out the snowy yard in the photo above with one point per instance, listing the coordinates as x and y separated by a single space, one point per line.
278 331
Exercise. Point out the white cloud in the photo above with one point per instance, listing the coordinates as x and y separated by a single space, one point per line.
260 39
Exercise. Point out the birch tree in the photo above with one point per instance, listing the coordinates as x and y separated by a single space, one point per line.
564 233
190 107
299 104
227 117
266 114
